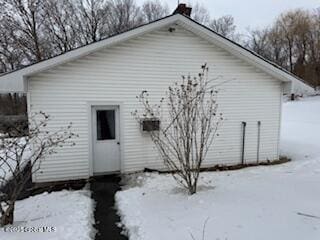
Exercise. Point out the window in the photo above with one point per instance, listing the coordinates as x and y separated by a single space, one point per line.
106 129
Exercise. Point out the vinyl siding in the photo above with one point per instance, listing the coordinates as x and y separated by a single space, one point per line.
153 62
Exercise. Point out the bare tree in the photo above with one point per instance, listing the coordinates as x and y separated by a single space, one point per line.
34 30
17 152
11 55
313 69
189 124
153 10
123 15
267 43
200 14
93 18
63 26
25 19
258 40
292 42
224 26
286 23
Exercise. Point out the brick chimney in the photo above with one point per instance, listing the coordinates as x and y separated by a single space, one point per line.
183 9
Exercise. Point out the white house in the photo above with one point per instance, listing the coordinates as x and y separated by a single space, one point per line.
95 87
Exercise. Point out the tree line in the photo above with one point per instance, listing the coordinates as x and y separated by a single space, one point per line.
13 110
293 42
35 30
13 104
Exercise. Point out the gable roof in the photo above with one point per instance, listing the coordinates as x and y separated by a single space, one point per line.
16 80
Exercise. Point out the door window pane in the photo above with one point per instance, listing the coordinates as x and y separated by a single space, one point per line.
106 125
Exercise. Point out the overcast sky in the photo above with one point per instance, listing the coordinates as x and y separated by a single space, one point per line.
253 13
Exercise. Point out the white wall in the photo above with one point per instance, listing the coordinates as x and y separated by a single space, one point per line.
153 62
12 83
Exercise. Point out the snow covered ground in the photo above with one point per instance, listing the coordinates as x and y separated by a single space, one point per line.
275 202
66 214
300 135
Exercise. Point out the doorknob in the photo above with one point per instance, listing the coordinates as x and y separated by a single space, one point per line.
118 143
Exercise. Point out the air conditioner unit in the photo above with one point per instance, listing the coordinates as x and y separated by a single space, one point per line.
150 124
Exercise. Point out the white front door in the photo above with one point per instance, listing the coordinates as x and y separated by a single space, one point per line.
106 141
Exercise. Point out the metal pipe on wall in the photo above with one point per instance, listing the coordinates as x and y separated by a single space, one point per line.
258 141
244 124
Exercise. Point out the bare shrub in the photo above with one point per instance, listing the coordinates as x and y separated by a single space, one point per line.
18 152
188 125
